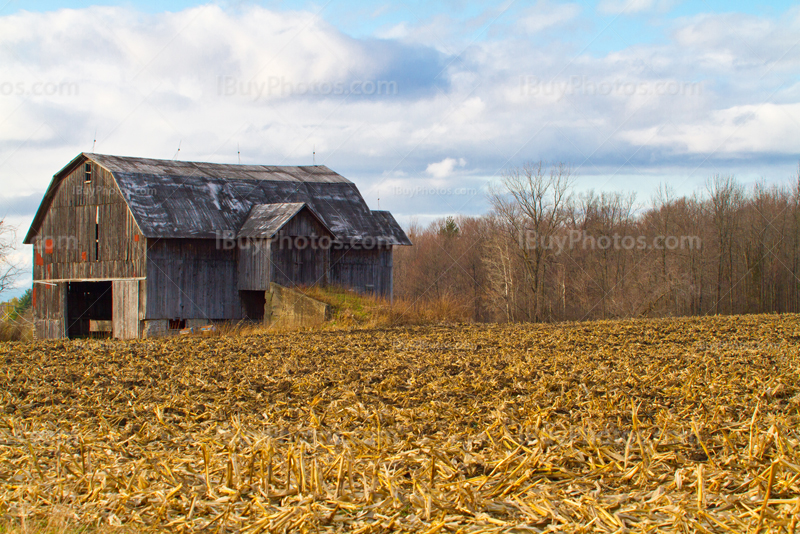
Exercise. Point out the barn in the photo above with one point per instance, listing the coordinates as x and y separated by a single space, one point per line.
132 247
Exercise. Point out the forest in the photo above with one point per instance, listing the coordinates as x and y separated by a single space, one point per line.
547 252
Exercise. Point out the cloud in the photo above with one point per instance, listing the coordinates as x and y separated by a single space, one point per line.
278 85
739 131
445 167
630 7
545 15
733 42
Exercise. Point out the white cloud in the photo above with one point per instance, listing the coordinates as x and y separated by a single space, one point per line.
545 15
630 7
213 80
736 131
444 168
396 31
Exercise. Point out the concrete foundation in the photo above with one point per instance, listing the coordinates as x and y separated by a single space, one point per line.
289 308
155 328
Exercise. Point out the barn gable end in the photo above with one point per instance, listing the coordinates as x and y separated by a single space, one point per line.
85 234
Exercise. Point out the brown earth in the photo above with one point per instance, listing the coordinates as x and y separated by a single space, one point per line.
667 425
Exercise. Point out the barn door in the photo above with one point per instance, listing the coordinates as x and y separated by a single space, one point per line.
126 309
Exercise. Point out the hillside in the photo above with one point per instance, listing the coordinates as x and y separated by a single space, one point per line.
350 309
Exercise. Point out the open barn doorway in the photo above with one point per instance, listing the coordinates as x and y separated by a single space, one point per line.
253 304
89 309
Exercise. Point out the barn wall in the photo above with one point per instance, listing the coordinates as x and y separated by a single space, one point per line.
65 248
365 270
126 309
191 279
254 265
386 272
304 261
49 304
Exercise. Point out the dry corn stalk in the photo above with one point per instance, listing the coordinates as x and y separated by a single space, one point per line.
672 425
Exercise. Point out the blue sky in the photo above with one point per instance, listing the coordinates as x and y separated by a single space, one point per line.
422 104
604 31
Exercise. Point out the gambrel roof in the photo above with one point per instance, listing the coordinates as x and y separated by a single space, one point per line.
180 199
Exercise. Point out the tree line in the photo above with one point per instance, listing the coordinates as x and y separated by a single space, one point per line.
548 253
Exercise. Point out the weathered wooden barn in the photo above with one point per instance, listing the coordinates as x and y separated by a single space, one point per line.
135 247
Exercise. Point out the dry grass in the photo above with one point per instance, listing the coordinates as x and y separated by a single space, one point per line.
351 309
17 328
670 426
56 524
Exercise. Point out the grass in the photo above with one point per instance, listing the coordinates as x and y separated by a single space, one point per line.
351 309
19 328
56 524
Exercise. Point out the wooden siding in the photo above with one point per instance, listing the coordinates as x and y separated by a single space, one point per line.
254 265
386 273
300 253
365 270
50 306
142 300
64 247
126 309
191 279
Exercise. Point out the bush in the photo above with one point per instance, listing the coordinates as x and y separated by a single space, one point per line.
17 327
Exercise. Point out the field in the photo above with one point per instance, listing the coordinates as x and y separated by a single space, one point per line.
666 426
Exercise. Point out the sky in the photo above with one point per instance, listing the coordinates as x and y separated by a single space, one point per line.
423 105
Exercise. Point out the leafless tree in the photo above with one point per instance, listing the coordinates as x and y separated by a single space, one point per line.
723 249
8 270
531 202
500 260
794 260
607 214
726 196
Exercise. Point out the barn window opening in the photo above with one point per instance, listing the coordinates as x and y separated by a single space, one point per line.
253 304
87 173
177 324
97 235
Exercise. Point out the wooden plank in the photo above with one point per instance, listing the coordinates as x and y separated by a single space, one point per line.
100 326
70 222
49 311
194 273
125 314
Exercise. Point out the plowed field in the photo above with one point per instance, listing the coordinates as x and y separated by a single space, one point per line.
669 425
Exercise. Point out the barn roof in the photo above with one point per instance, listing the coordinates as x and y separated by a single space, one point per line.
179 199
265 220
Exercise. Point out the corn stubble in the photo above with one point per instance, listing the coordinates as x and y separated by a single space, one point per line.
675 426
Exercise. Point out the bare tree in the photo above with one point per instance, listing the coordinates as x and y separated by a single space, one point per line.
8 270
499 259
605 215
726 197
537 256
532 203
661 204
794 249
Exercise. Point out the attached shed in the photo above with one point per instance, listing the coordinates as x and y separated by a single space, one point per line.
132 247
